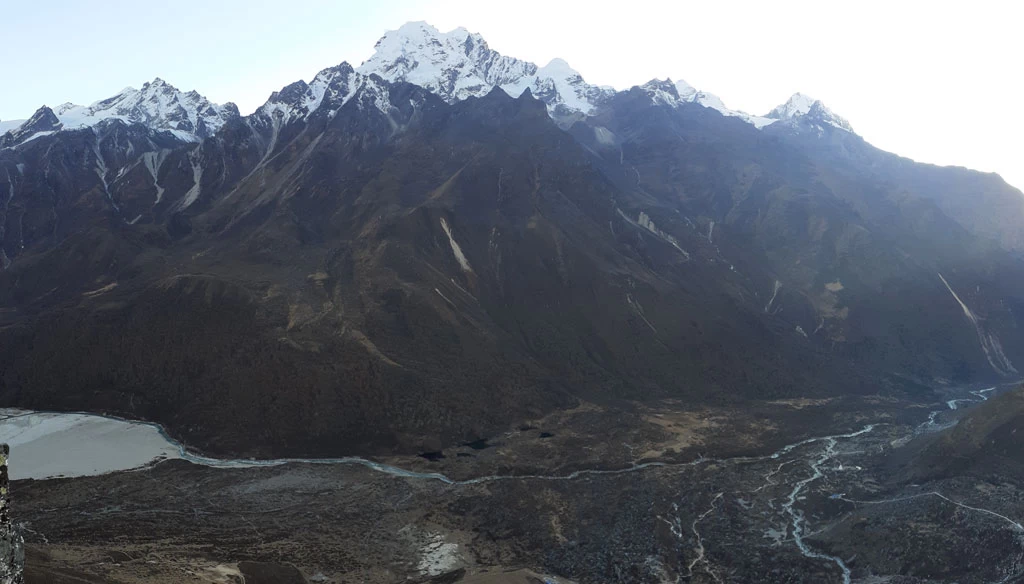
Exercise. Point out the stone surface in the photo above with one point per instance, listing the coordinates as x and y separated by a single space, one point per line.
12 553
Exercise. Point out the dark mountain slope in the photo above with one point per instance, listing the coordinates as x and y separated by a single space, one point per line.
398 279
984 444
844 257
360 266
980 202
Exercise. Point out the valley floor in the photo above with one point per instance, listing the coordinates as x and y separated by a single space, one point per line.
664 496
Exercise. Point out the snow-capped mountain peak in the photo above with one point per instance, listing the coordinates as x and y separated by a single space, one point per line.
685 90
664 92
800 106
157 105
680 92
330 89
42 123
458 64
454 65
797 105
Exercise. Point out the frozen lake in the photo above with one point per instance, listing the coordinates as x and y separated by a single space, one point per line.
46 445
49 445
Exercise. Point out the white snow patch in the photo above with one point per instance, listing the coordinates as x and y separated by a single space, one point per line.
714 102
604 135
458 64
226 574
438 557
775 292
461 257
686 91
569 88
679 93
446 299
153 161
102 170
197 176
800 105
158 105
36 135
797 105
990 344
323 84
640 311
644 221
836 286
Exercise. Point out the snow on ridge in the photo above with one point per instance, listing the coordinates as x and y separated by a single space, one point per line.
157 105
685 90
455 65
456 248
803 106
714 102
675 94
459 64
335 86
797 105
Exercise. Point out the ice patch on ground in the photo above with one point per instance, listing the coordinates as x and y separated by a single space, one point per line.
456 249
836 286
990 344
644 221
775 292
604 135
438 557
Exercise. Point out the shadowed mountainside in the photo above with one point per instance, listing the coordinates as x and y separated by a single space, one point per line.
388 272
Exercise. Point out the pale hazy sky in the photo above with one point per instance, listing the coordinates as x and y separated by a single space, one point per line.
936 81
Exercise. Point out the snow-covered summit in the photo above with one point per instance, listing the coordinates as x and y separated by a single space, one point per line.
459 64
677 93
802 106
300 99
455 65
686 91
329 90
157 105
797 105
42 123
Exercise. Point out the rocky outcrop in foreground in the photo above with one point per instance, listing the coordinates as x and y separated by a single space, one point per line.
12 554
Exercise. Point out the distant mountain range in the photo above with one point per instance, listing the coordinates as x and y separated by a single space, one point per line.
439 243
454 65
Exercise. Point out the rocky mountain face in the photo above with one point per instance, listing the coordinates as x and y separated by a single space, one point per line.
189 117
800 106
679 93
459 64
445 241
